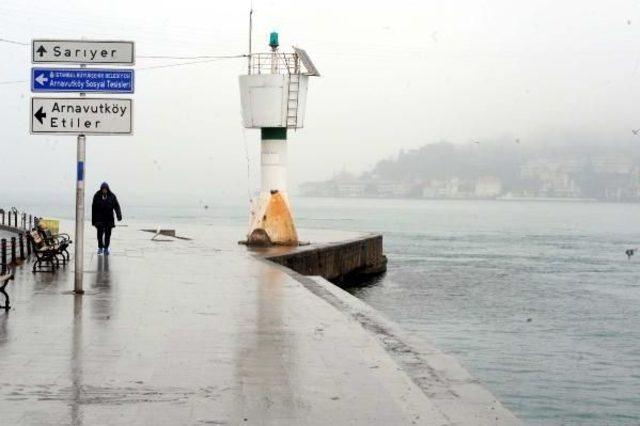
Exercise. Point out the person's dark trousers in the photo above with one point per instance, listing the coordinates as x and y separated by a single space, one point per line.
104 237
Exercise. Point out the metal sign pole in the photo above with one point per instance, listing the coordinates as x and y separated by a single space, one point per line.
79 252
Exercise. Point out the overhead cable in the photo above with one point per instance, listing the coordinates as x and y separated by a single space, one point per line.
191 57
5 40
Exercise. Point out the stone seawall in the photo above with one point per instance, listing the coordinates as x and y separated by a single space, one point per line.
339 262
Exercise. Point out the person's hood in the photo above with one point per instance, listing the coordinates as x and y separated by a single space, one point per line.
105 185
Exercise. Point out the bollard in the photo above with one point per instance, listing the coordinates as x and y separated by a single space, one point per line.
21 246
3 255
13 250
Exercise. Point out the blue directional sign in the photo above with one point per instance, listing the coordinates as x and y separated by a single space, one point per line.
87 80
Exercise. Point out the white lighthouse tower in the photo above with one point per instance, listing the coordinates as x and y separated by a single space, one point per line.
273 96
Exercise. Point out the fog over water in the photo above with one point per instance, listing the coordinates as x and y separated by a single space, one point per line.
394 76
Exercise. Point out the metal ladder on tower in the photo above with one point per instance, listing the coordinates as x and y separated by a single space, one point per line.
293 93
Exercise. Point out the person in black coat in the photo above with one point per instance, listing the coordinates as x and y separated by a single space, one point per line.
104 204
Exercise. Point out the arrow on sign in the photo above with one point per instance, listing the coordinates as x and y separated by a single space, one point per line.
41 79
41 51
40 115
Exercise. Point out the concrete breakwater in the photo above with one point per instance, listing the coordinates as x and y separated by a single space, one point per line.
455 396
339 262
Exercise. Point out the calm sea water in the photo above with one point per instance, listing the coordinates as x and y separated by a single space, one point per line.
537 299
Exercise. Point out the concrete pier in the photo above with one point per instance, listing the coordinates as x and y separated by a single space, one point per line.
355 258
174 332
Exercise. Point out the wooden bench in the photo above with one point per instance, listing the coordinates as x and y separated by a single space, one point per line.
59 241
47 257
5 277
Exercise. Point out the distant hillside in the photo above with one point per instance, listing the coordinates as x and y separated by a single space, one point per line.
495 170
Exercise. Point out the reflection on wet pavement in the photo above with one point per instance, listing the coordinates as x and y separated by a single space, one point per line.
195 332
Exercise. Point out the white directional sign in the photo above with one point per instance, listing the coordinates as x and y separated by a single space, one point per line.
82 52
103 116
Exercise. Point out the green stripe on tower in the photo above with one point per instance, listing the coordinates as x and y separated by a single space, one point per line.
273 133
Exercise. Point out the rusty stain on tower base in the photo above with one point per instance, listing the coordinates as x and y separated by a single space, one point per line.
273 223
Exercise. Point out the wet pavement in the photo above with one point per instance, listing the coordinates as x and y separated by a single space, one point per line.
199 332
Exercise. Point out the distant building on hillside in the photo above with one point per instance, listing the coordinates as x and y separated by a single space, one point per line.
448 188
318 189
555 178
612 164
488 187
352 189
391 189
435 188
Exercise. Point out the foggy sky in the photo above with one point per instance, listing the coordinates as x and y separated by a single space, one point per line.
395 75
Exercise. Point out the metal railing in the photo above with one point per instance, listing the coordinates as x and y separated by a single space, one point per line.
15 250
15 221
274 63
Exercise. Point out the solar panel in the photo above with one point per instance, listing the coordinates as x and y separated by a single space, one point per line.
306 61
